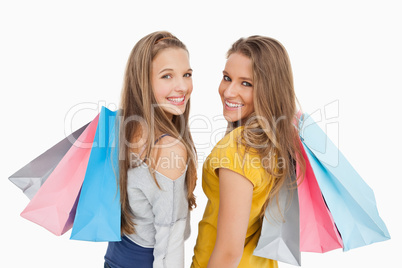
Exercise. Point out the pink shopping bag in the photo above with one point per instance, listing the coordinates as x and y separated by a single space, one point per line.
53 207
318 232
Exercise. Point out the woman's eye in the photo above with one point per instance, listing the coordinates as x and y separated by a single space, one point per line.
226 78
247 84
188 75
167 76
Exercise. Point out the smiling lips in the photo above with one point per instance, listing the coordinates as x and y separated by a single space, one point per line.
176 100
232 105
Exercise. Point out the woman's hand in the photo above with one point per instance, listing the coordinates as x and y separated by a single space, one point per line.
235 197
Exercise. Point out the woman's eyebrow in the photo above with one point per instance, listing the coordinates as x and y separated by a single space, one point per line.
166 69
241 78
171 70
246 78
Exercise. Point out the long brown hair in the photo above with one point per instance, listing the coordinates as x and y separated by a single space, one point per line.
272 124
138 111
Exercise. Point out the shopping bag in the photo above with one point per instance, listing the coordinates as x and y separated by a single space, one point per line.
32 176
53 206
318 232
98 212
350 200
280 236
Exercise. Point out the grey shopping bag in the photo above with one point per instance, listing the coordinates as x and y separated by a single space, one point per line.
31 177
280 234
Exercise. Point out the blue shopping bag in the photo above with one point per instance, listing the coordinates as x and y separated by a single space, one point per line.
98 211
350 200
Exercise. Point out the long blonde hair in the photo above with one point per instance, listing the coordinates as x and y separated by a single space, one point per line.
272 124
138 106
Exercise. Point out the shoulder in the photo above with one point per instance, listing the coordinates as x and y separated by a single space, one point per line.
234 136
170 157
231 153
230 144
231 139
171 146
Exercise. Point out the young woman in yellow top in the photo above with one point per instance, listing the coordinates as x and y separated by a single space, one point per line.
247 167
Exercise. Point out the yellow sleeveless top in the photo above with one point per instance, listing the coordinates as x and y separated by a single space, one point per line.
230 154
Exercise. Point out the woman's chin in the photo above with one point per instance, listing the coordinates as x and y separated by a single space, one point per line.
230 118
171 112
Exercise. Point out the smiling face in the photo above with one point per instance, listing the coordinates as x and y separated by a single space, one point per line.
171 80
236 88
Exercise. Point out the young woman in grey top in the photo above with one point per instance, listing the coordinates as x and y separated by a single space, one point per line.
157 163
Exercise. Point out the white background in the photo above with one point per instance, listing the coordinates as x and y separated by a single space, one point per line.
55 55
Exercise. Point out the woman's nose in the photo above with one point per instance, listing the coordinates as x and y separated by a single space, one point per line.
182 85
230 91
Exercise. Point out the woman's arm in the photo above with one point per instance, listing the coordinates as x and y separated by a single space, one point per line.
235 197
